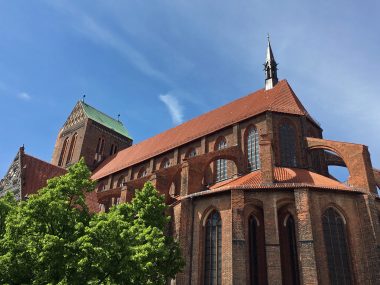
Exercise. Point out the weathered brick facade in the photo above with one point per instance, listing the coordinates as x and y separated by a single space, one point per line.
273 194
285 220
85 134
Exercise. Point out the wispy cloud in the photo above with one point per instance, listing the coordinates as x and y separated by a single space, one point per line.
174 107
100 33
24 96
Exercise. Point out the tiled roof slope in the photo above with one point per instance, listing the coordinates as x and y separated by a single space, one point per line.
279 99
284 177
104 119
37 172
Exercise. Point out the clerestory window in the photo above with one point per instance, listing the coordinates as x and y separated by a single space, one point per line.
253 149
221 164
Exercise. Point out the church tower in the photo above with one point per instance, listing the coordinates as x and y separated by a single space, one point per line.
91 134
270 68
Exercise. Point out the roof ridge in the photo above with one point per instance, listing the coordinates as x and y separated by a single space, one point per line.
240 109
100 112
104 119
44 161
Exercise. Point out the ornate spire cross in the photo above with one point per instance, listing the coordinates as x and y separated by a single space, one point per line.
270 68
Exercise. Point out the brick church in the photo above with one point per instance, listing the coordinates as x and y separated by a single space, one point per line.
248 187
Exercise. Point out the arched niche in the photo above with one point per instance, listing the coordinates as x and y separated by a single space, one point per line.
287 228
175 185
220 168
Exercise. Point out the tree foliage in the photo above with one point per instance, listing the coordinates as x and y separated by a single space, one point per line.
52 238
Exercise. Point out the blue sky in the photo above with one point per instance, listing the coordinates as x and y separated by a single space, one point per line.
158 63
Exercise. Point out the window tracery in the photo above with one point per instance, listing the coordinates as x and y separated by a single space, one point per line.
253 149
335 236
221 164
213 250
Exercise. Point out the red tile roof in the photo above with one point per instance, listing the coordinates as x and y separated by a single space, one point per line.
279 99
284 178
36 173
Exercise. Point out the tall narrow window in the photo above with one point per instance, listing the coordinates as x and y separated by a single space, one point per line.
142 172
334 232
120 181
221 164
191 153
99 150
253 149
288 248
257 259
288 145
113 149
100 146
63 152
71 149
213 250
165 163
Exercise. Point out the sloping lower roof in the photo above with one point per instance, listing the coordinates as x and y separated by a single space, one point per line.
104 119
37 172
284 178
279 99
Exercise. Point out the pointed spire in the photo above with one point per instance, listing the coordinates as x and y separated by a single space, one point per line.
270 68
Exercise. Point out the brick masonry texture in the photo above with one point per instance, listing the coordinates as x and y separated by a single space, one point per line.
274 194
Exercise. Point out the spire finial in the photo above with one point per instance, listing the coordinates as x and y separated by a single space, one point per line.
270 68
118 117
84 96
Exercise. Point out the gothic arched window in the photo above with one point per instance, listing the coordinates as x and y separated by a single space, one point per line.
63 152
288 145
288 249
213 250
221 164
335 236
253 149
120 181
71 149
191 153
165 163
113 149
142 172
100 146
257 260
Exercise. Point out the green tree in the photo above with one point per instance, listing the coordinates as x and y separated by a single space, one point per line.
53 239
7 202
38 246
128 245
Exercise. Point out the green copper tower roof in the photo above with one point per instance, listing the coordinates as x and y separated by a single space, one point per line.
104 120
